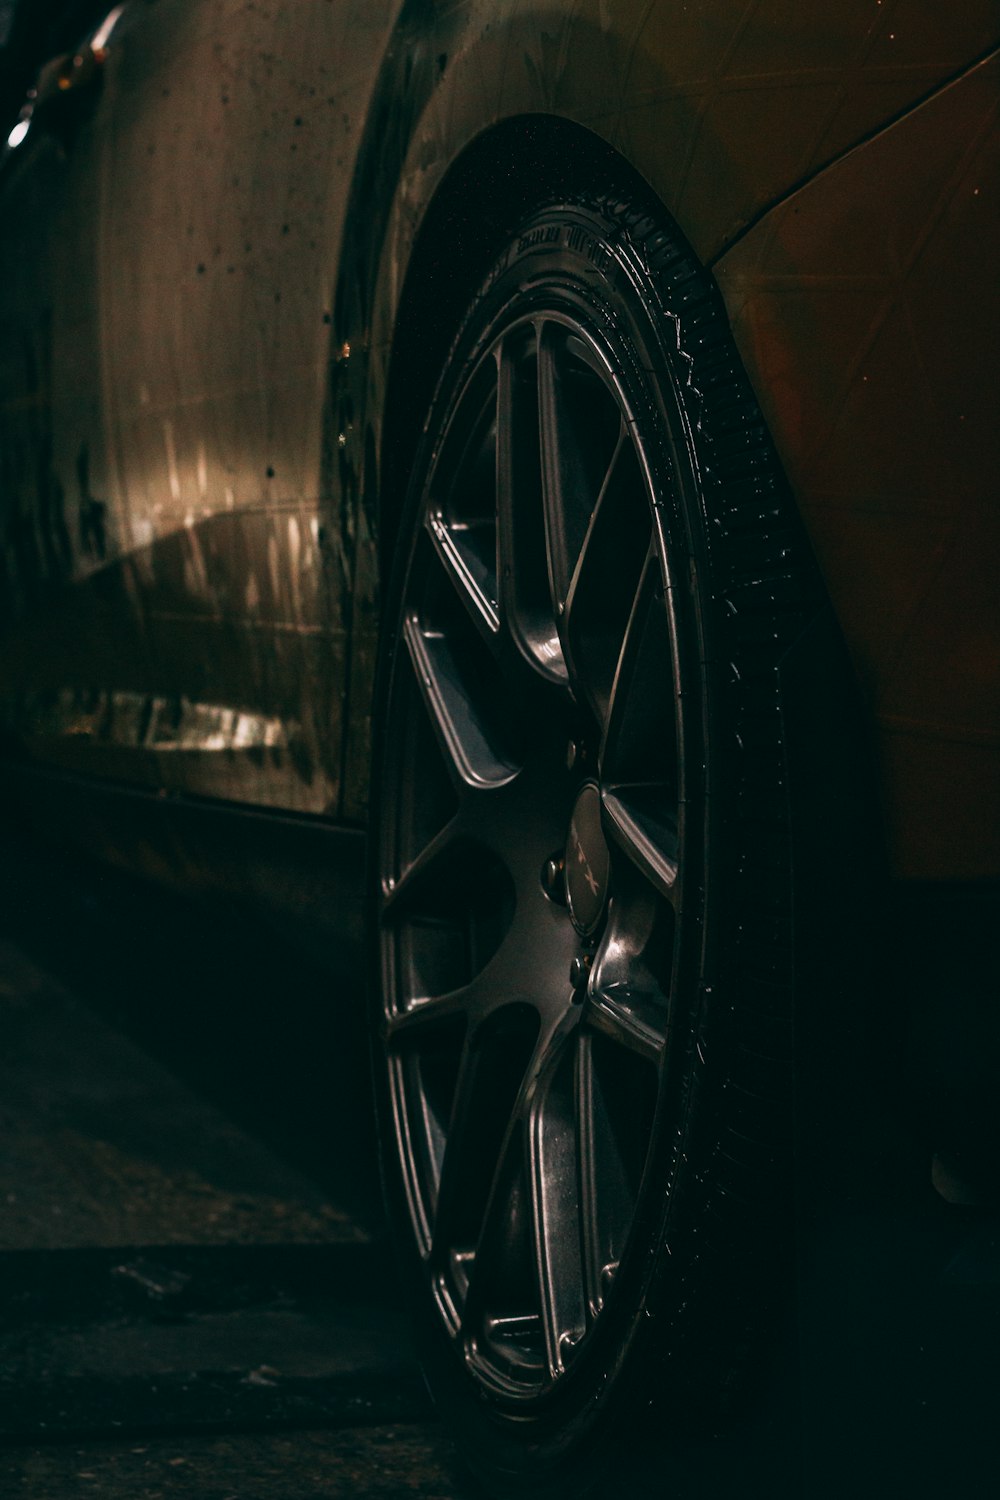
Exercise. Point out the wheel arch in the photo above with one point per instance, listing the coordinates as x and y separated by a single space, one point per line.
492 184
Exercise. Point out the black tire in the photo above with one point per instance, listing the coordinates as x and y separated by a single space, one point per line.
585 1082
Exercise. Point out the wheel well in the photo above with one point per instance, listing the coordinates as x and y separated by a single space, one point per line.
504 173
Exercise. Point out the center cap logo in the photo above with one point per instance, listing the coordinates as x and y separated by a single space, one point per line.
588 864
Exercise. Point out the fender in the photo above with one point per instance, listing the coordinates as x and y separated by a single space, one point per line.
541 91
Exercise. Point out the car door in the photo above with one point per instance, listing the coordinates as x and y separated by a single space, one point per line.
61 621
213 602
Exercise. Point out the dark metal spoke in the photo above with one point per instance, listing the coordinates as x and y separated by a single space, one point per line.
616 1092
588 1147
562 480
494 1226
424 810
472 584
529 1146
587 559
580 427
500 1314
459 1154
498 1080
467 726
606 577
461 511
525 596
395 889
642 608
427 1013
641 729
638 756
509 479
641 820
553 1176
632 1020
630 977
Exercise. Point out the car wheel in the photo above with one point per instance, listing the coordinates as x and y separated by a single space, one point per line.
581 853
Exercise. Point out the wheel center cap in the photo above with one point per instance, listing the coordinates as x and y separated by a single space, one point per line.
588 864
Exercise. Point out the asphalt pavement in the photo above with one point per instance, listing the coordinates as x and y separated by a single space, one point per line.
196 1296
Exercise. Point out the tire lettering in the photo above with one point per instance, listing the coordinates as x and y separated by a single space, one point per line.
540 236
584 244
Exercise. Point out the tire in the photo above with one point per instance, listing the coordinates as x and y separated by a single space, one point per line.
582 872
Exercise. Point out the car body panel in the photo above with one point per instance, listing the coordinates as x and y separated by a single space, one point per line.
884 267
208 284
202 647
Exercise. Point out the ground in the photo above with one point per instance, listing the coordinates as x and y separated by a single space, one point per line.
196 1295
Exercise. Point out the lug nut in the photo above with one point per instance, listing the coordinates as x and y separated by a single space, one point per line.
579 971
553 879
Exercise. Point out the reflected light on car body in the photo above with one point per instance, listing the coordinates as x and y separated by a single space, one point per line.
102 36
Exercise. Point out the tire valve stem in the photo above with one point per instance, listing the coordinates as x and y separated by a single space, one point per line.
579 973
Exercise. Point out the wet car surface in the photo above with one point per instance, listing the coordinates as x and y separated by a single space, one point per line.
496 503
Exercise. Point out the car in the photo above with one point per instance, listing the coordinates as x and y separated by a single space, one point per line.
538 458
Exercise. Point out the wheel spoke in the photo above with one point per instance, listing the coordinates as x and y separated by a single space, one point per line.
638 819
580 425
467 725
487 1112
475 588
501 1315
422 811
451 1209
396 889
611 1160
601 522
641 730
492 1242
429 1013
554 1182
562 481
606 577
638 759
631 974
525 597
588 1146
461 503
633 1020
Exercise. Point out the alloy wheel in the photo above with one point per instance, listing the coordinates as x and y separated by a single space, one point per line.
534 853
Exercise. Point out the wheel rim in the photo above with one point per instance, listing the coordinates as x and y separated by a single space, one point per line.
534 719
